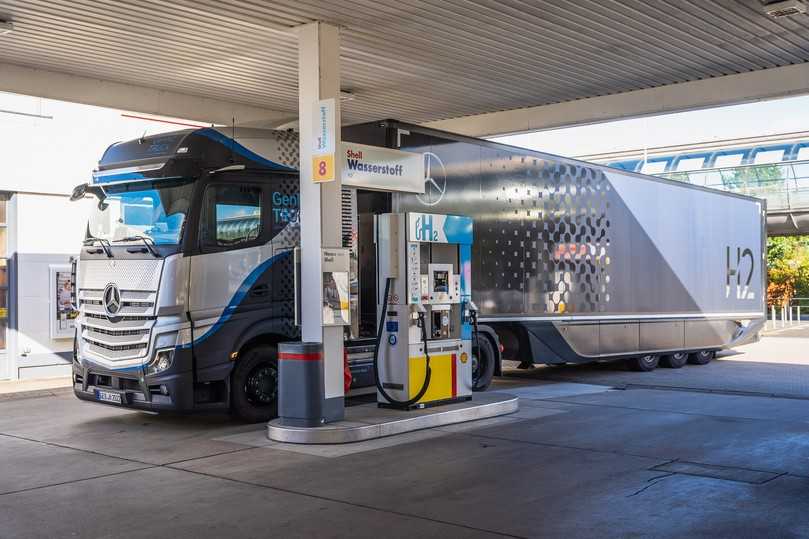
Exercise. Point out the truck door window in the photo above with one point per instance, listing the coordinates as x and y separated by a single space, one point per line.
232 217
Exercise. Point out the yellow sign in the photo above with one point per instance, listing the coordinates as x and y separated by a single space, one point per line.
323 168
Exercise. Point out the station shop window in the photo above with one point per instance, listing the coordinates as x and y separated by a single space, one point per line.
233 216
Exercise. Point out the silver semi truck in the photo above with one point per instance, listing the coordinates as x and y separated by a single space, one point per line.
186 280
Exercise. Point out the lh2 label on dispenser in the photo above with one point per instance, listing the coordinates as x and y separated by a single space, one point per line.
439 228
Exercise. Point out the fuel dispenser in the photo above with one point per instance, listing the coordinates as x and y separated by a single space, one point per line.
423 352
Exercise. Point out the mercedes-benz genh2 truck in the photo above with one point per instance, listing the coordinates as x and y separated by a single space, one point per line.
186 279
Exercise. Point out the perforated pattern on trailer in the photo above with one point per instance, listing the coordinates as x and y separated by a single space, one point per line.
550 238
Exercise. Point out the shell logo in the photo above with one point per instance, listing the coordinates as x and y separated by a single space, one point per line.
464 357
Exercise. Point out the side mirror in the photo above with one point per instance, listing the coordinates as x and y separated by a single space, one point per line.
78 192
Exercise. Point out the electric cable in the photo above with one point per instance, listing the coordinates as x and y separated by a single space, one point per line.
428 371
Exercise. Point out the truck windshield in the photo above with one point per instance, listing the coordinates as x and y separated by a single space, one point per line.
154 209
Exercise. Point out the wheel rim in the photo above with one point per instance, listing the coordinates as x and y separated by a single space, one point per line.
680 356
649 360
261 385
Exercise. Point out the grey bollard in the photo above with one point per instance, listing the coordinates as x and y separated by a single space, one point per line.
301 398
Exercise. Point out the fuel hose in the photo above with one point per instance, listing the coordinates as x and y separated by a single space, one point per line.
427 372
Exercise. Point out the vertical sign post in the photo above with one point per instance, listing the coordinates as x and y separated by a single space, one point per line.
321 203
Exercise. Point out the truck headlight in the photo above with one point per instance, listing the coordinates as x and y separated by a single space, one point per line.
162 361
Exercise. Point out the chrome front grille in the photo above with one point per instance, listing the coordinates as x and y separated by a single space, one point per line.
124 336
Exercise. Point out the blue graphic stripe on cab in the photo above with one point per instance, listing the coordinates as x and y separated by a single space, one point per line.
234 146
239 296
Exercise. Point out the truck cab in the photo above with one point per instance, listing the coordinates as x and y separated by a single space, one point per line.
185 282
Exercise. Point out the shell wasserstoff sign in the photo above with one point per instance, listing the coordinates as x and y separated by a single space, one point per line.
383 169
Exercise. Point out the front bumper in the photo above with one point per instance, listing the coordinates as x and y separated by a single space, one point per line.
147 395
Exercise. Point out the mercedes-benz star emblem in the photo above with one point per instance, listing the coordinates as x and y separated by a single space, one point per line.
435 180
112 299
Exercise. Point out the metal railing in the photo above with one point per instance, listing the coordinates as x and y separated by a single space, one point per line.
784 185
791 314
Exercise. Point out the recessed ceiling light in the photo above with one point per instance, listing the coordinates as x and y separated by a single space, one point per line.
785 8
6 27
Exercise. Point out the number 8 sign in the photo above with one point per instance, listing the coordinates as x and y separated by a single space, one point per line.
323 168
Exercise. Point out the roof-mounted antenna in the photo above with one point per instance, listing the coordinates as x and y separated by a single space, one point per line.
142 138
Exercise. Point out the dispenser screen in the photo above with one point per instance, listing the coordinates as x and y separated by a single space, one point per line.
440 281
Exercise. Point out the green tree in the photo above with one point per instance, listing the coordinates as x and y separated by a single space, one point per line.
787 268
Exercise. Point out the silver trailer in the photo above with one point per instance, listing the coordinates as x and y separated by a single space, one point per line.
575 262
186 280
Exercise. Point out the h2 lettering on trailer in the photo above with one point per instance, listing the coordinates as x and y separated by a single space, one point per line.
738 266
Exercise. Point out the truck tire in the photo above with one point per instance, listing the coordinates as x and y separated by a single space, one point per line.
643 363
675 360
254 387
483 363
703 357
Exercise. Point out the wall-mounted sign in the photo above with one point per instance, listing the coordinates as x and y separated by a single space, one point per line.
63 312
384 169
324 141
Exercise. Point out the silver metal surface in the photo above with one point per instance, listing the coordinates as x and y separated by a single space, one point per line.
708 333
654 336
367 422
617 338
468 57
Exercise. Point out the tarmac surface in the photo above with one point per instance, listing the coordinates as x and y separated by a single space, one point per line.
697 452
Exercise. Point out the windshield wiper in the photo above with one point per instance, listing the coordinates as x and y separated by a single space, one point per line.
105 244
147 241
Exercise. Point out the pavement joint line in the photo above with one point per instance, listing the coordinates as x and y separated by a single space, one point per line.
172 466
778 473
601 405
740 393
79 480
651 482
90 451
344 502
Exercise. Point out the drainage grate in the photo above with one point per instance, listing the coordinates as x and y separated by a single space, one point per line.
728 473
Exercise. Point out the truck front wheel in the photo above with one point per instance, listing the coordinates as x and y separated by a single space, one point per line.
254 389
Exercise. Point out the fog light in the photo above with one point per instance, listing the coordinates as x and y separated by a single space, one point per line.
162 361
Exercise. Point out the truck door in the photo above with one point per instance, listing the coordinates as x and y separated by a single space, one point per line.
229 287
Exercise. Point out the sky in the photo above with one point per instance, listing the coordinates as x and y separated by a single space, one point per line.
737 121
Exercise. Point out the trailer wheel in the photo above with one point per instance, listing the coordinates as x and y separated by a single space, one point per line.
643 363
254 393
483 360
703 357
675 360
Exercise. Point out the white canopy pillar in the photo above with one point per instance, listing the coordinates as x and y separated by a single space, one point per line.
318 79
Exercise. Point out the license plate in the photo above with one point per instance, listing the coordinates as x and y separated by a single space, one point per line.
108 396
